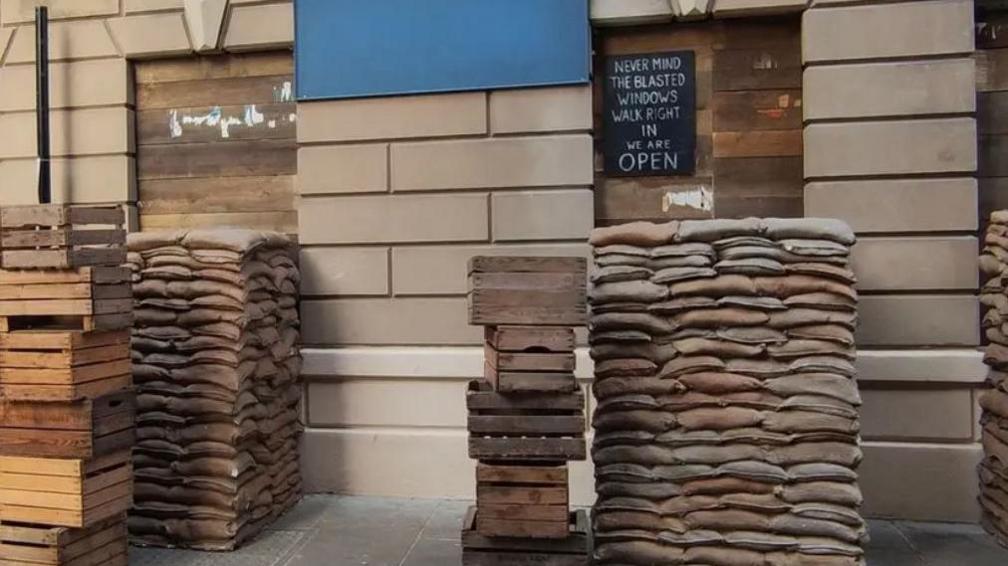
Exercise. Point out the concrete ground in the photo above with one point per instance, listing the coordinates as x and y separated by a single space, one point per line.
371 531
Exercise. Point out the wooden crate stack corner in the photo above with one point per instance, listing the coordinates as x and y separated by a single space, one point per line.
527 415
67 407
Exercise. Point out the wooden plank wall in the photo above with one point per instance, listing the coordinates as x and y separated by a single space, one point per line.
992 112
216 142
749 122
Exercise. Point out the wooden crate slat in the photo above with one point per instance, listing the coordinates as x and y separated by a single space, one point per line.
521 474
61 339
92 274
498 264
531 382
530 338
529 361
63 359
62 237
89 490
540 425
66 375
517 281
481 398
63 258
65 392
532 449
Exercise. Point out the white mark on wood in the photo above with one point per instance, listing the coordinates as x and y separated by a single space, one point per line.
225 126
271 124
292 117
253 116
174 128
766 62
699 198
283 92
211 118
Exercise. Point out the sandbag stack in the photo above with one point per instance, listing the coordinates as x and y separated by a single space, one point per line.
217 365
994 403
67 409
726 430
526 416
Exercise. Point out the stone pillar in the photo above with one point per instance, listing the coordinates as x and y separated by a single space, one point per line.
890 147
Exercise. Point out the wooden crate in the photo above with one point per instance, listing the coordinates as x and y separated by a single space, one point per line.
104 543
522 501
529 359
531 291
63 365
65 492
77 429
59 236
481 550
88 298
541 427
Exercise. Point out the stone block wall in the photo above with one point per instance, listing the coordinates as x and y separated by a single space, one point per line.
890 146
396 194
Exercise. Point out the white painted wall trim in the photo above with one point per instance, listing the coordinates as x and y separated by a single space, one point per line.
946 365
413 361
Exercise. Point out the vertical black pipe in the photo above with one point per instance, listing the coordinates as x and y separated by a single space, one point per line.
42 102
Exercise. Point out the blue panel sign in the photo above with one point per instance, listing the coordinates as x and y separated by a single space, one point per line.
357 48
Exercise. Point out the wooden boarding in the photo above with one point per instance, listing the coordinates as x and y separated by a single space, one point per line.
34 545
84 429
58 236
65 492
529 381
522 501
530 338
544 427
482 550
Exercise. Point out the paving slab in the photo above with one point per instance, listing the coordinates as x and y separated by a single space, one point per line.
331 530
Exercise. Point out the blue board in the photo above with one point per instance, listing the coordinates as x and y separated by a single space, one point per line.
356 48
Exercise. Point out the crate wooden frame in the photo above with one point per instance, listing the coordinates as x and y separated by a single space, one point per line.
55 236
65 492
87 298
540 427
522 500
63 365
104 543
573 550
530 291
81 429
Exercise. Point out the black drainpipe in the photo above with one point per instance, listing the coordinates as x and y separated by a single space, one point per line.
42 103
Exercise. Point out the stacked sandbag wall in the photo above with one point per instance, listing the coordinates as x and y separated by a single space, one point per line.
994 403
726 429
216 365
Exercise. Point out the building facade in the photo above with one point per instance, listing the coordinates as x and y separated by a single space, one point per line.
862 110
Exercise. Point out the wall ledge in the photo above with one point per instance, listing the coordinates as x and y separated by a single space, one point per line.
958 365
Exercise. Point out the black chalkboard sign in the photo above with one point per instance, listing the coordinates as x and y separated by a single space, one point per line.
650 114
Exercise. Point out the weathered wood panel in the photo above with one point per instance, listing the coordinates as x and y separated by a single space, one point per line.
749 123
216 142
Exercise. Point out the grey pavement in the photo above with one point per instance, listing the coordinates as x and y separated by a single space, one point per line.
331 530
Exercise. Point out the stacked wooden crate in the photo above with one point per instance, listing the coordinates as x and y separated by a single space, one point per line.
67 408
527 416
